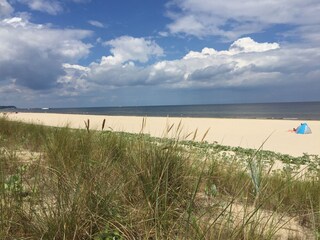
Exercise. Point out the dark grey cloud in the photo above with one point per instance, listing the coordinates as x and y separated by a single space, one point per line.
213 73
36 74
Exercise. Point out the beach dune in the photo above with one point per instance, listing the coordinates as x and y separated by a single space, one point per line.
246 133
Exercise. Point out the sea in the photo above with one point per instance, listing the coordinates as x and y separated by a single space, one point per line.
287 110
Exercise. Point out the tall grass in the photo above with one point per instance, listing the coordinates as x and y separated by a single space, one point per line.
86 184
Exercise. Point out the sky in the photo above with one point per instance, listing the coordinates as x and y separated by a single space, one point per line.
82 53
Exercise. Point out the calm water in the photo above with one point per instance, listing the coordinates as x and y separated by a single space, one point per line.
300 110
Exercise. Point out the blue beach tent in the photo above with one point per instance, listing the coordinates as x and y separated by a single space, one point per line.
303 129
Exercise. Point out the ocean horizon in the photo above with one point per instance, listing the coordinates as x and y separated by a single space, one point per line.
282 110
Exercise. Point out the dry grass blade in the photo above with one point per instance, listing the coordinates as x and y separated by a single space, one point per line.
205 134
195 135
169 128
103 124
188 135
179 125
87 124
143 125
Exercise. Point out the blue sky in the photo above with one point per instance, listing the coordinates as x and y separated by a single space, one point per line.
77 53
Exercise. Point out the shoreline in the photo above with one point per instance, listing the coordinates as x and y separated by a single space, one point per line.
160 116
235 132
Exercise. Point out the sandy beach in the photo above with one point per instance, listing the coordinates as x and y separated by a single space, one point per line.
246 133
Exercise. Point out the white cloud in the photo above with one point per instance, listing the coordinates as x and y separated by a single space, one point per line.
188 24
49 6
248 45
74 80
5 9
52 7
119 69
127 48
76 67
33 55
231 19
163 34
96 23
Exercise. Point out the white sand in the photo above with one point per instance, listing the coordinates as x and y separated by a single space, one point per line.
247 133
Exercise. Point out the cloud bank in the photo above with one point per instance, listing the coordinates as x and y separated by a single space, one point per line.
245 64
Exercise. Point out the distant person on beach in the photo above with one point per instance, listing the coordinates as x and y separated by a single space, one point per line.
293 130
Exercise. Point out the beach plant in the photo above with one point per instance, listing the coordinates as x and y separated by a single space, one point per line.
255 169
13 183
108 234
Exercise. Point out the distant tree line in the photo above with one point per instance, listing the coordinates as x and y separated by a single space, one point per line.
6 107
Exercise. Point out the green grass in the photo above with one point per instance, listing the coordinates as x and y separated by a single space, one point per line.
83 184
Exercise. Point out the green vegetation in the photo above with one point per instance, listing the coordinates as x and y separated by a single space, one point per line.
60 183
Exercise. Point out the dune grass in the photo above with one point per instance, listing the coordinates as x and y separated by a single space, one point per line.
61 183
